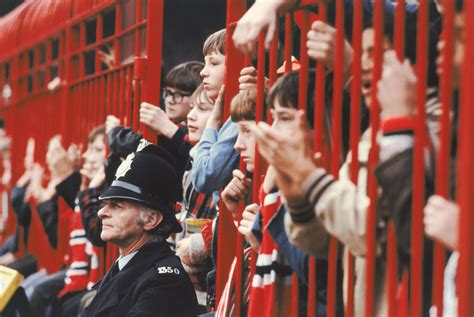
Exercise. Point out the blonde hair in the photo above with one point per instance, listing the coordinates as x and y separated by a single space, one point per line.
243 106
215 43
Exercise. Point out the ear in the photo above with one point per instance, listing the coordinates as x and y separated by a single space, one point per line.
153 220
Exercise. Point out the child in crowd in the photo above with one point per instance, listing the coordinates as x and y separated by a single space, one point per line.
197 208
215 157
275 251
179 84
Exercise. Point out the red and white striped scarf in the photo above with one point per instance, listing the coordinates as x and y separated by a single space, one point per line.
270 293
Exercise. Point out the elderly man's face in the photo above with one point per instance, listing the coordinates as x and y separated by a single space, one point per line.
120 222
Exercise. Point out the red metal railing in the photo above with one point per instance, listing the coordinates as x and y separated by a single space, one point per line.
88 91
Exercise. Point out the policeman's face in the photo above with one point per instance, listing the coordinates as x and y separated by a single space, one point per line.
120 222
96 153
197 118
213 74
245 143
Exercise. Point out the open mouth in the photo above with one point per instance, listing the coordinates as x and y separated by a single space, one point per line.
366 87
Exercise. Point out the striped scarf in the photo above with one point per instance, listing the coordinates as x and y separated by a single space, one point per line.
270 293
83 271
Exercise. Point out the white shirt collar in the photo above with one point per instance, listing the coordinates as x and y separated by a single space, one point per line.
123 260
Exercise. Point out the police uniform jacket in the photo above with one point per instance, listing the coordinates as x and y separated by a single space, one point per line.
152 283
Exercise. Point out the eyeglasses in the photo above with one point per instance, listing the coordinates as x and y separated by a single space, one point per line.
177 97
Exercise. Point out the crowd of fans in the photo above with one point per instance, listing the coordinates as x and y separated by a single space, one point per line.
300 204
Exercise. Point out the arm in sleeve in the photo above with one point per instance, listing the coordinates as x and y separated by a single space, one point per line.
48 213
89 204
69 188
178 147
336 205
215 158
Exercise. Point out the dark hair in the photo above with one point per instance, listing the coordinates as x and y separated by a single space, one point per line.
243 105
459 5
286 91
99 130
184 76
215 43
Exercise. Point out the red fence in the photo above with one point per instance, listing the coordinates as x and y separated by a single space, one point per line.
70 47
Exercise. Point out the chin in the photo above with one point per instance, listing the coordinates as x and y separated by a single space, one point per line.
194 138
249 168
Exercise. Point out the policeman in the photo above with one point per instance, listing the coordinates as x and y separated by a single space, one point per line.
147 279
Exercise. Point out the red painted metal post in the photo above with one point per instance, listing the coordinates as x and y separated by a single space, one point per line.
354 131
465 284
234 63
443 155
152 83
336 146
118 29
416 286
373 159
288 41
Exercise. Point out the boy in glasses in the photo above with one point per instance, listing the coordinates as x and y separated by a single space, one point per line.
178 86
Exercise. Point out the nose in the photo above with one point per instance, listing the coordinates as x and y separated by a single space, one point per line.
367 62
103 212
204 72
239 145
192 114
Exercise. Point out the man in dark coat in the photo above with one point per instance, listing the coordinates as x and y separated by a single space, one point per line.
147 279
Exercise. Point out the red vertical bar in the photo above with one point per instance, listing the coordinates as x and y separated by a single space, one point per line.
336 146
399 30
108 108
373 158
465 282
152 82
98 36
318 124
82 43
304 62
258 168
103 106
273 58
115 84
128 96
273 76
392 255
320 97
118 29
355 131
138 13
418 164
443 155
288 42
234 62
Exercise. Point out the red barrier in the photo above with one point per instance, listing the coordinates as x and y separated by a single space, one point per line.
465 173
70 50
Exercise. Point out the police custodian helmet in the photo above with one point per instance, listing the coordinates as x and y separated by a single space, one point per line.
147 177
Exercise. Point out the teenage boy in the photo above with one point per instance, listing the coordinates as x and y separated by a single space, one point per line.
215 156
178 86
